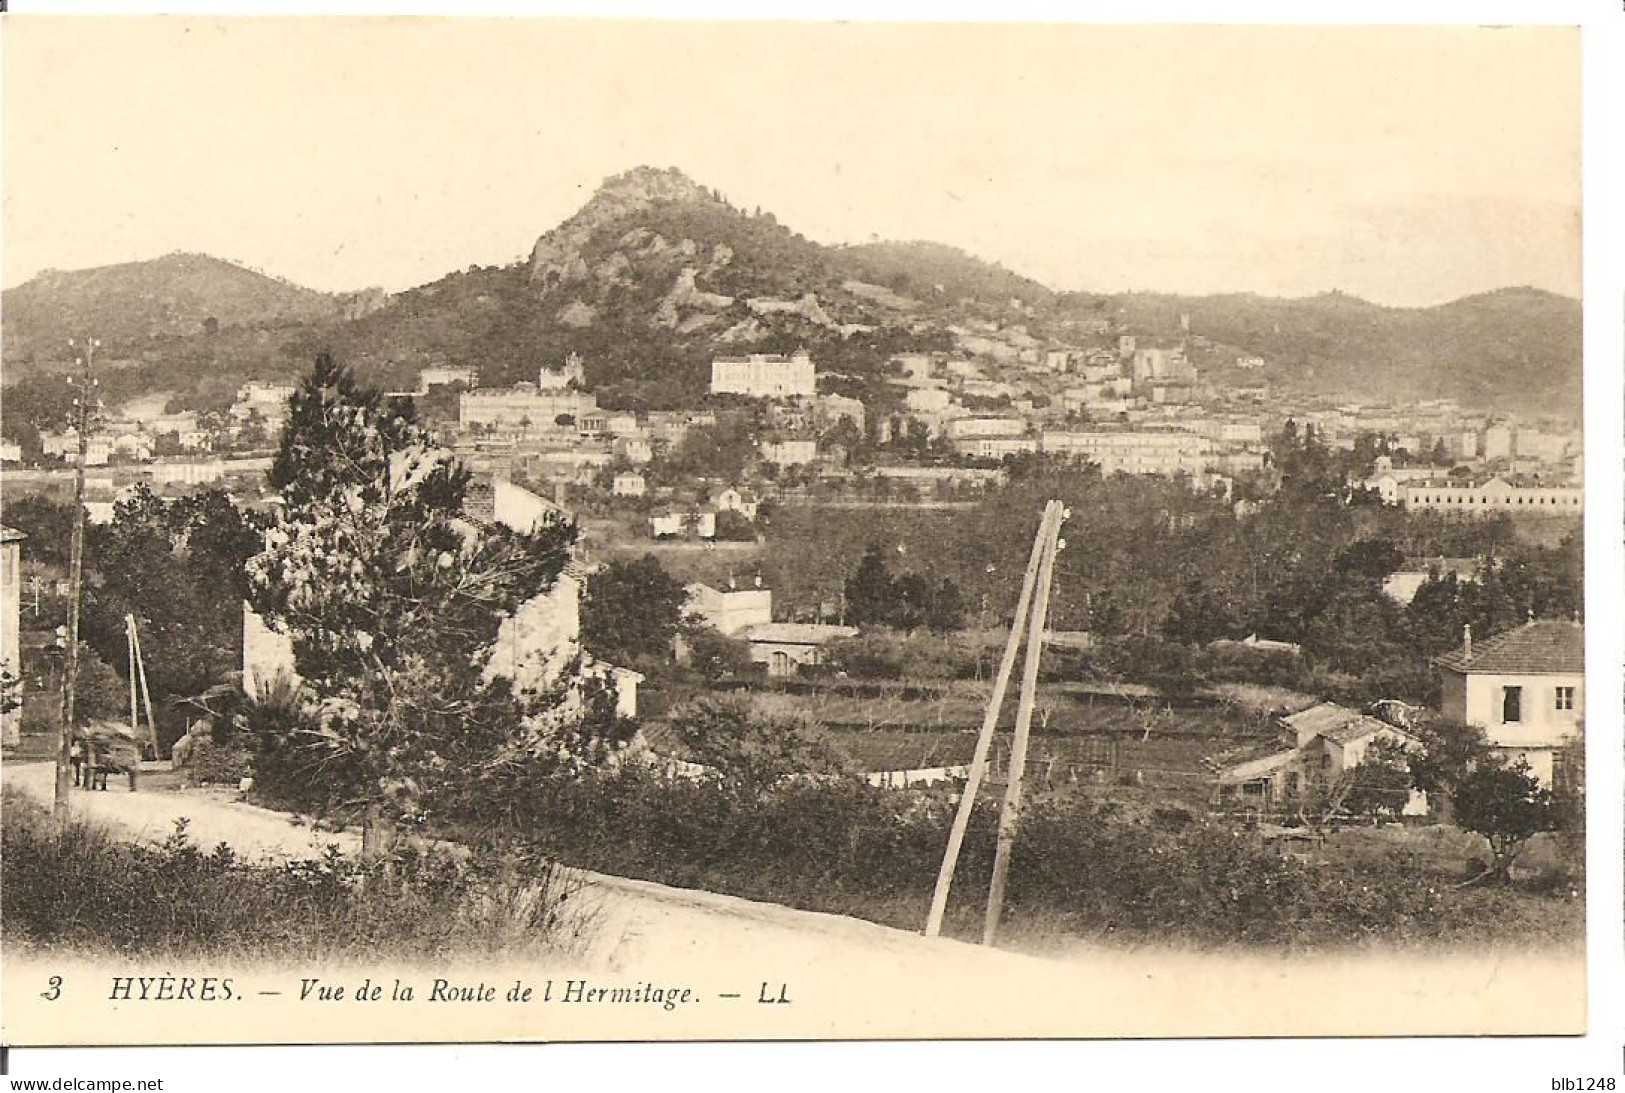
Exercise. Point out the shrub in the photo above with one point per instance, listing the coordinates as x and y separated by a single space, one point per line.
749 753
716 656
890 654
219 764
174 898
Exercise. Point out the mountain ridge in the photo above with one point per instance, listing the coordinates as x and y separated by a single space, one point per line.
655 273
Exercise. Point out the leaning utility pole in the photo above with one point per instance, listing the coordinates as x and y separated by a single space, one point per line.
990 721
76 579
1010 814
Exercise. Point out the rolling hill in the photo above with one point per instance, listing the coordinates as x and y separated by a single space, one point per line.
656 274
130 304
1515 349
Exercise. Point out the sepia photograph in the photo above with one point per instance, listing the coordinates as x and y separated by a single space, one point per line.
595 530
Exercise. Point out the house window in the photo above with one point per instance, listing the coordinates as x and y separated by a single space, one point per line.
1565 698
1511 705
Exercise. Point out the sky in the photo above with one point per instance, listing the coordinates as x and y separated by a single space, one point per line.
1406 165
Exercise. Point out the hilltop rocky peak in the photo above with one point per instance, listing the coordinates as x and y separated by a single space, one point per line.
557 254
642 185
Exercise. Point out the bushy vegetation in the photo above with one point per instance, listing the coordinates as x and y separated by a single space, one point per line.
1081 868
904 600
891 654
85 890
220 764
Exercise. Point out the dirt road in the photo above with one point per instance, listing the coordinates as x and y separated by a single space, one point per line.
842 977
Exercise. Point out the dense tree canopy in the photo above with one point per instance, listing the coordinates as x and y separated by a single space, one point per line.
907 601
631 611
1148 559
178 567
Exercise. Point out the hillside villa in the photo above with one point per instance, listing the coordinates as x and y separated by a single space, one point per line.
1328 741
1524 687
764 375
730 612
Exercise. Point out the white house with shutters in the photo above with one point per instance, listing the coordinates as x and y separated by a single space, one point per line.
1524 687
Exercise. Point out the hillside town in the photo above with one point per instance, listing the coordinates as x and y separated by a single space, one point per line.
1118 401
1117 405
655 581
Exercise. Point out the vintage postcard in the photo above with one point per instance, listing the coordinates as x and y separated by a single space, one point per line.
537 530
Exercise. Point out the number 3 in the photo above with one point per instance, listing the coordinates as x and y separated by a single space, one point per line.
55 983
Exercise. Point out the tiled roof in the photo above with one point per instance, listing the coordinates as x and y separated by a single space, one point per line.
1258 767
1360 728
1538 647
663 740
798 633
1322 720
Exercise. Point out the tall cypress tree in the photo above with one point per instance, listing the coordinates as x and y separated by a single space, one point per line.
871 592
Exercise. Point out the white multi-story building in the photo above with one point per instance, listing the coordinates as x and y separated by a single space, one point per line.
995 447
1524 687
965 427
133 446
445 376
268 400
1057 360
1143 451
636 450
1155 365
764 375
629 485
522 406
573 372
1498 494
1544 446
732 611
1228 432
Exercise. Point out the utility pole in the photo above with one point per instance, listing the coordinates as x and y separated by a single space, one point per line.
129 645
146 695
76 579
990 720
1010 814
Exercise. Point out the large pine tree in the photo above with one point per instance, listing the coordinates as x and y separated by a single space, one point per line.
393 599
